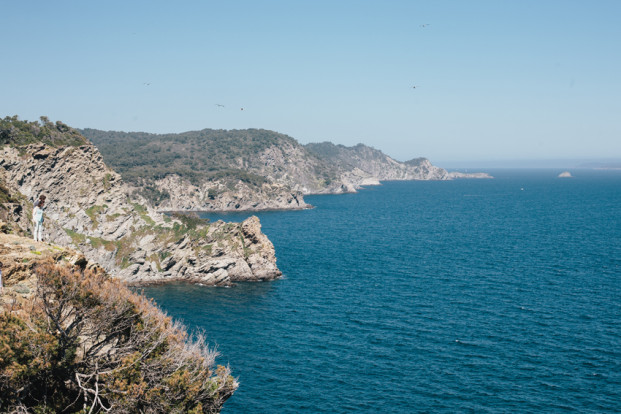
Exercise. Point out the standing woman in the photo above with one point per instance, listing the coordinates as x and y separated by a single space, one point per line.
37 217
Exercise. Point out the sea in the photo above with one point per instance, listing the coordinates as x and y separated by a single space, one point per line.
482 296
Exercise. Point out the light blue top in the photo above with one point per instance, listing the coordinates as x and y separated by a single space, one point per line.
37 215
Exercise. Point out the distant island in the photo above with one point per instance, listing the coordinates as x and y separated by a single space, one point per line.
565 174
251 169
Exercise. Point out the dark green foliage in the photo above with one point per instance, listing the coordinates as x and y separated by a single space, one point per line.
232 175
325 149
337 155
195 155
16 132
207 155
415 162
190 219
156 196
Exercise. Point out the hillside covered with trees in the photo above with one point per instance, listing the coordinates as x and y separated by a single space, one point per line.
195 155
16 132
256 162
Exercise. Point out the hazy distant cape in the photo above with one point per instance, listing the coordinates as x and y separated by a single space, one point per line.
251 169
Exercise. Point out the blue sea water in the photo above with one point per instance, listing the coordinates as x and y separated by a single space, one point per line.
496 295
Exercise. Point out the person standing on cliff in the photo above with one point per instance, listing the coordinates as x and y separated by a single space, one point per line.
37 218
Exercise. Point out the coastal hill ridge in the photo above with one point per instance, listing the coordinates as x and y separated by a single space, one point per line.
251 169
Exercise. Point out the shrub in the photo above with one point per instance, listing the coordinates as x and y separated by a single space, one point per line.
16 132
190 220
85 343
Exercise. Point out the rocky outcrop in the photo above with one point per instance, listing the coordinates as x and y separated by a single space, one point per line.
73 337
362 165
20 255
89 207
292 171
217 195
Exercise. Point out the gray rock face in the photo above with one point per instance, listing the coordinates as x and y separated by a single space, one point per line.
362 165
90 208
216 195
292 171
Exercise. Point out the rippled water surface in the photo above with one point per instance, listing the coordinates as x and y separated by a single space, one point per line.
483 296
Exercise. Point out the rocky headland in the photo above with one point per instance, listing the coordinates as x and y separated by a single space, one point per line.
90 208
251 170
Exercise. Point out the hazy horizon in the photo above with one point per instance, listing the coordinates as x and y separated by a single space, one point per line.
449 80
559 163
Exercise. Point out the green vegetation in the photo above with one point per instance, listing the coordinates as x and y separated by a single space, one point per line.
112 217
98 242
77 238
190 219
142 212
85 343
16 132
191 226
150 192
106 181
197 156
415 162
94 211
194 155
155 258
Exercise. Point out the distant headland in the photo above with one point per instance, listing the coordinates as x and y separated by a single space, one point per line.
248 170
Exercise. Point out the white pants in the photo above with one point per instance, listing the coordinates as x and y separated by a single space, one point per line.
38 231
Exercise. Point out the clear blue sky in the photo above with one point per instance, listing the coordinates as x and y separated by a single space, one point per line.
494 79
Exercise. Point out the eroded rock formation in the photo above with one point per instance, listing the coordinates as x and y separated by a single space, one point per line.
89 207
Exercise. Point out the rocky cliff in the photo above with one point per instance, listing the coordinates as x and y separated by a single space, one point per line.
75 340
91 208
220 195
217 170
374 164
208 170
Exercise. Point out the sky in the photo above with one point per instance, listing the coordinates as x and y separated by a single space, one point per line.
494 80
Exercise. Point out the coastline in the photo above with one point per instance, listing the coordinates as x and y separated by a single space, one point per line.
454 175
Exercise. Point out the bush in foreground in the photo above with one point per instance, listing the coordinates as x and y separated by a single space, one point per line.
85 343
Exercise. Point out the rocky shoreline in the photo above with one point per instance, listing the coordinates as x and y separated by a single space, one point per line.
248 170
91 209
